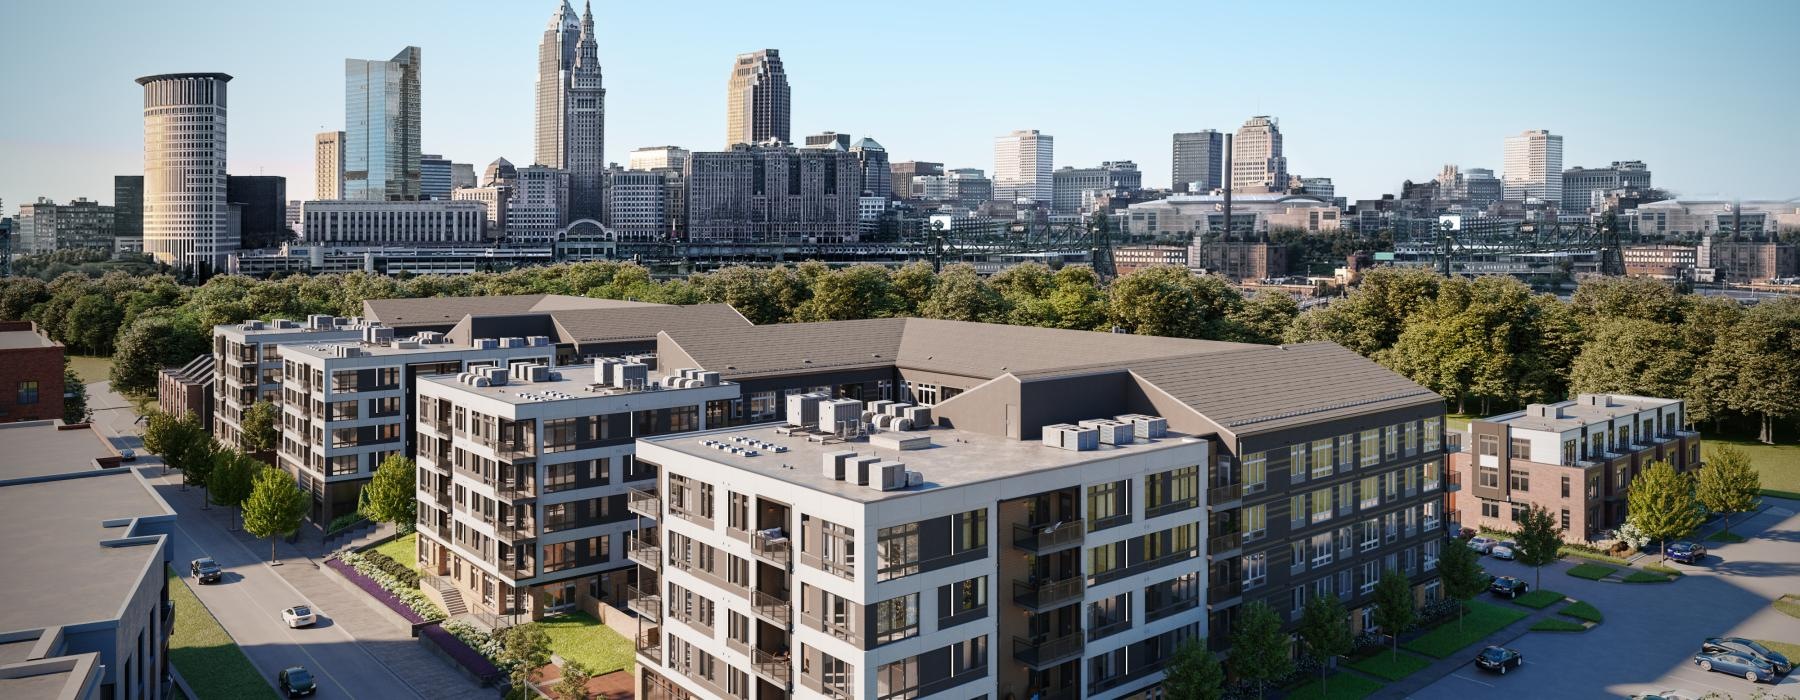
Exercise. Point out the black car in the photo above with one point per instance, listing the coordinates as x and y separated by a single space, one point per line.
1686 552
205 570
297 681
1508 586
1748 647
1499 659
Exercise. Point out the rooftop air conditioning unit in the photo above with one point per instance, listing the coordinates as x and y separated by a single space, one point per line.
1146 427
512 342
1070 437
803 409
917 416
253 325
1112 432
285 324
631 375
319 322
834 414
378 335
875 408
860 468
893 476
486 343
538 341
834 463
708 378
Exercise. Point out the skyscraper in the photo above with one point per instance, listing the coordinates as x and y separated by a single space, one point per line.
434 177
571 109
184 169
128 212
1022 165
1257 164
658 158
757 99
381 128
877 178
1533 166
328 166
1199 161
1580 185
829 139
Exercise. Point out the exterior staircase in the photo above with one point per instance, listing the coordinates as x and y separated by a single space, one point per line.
452 598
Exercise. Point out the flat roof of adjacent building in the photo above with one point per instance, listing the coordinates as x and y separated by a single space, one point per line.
1575 413
45 447
325 350
439 311
573 382
15 340
955 457
58 571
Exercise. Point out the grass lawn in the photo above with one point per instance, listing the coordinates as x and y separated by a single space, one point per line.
1582 610
1789 605
206 656
1342 686
1787 649
1459 421
91 369
1538 600
1647 577
1778 464
1726 537
1664 569
1551 624
403 550
1450 637
1387 664
1594 556
1591 572
580 637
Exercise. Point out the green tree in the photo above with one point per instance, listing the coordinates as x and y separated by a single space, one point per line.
92 324
1170 301
1629 355
1372 317
1728 484
914 284
862 291
232 478
1759 354
1265 318
1641 298
1540 541
1325 629
1662 503
573 683
260 426
962 295
1259 649
1194 672
525 649
151 343
75 396
275 507
1463 578
391 495
1394 611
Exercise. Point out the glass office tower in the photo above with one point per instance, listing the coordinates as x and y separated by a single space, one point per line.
381 128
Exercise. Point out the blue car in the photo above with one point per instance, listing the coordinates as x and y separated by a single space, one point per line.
1748 647
1687 552
1751 668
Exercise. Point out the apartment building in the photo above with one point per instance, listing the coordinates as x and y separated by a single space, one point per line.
1573 458
1316 469
524 471
246 368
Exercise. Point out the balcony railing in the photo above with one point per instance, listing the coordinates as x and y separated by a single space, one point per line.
649 644
1144 565
1222 592
644 552
1220 495
1171 608
1043 595
647 604
774 549
835 630
777 669
1224 546
515 531
1170 507
515 490
644 503
774 609
1048 651
1044 538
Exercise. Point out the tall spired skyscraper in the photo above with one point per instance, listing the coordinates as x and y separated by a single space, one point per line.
571 108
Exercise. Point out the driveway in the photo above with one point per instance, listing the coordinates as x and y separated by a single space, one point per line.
1651 631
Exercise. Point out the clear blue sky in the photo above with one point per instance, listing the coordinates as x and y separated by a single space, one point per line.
1369 94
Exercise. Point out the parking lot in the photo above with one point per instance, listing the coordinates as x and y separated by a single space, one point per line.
1651 632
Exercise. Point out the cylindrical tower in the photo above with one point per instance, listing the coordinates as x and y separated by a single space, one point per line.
184 169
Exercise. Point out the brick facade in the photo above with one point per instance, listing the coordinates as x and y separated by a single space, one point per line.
31 373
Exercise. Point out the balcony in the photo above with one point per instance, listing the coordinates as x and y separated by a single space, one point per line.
1172 608
515 531
775 549
1109 628
1227 496
1044 538
1171 507
643 551
648 605
516 490
1141 566
644 503
1046 595
1224 594
773 609
840 631
649 644
773 668
1046 652
1225 546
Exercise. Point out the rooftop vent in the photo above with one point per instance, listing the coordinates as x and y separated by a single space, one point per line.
430 337
512 342
1601 400
630 375
1071 437
1541 410
891 476
346 351
538 341
320 322
486 343
284 324
835 464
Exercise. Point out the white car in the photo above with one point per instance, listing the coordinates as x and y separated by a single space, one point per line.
1482 544
1504 550
299 616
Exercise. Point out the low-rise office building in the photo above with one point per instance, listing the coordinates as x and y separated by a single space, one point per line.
31 373
1574 458
409 224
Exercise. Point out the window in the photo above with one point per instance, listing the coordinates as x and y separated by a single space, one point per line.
1346 541
1434 474
1412 437
897 551
1431 553
1371 491
898 680
1321 505
1256 569
1108 504
1104 558
1488 476
1176 487
1256 472
1565 486
1296 512
1391 445
971 531
1568 452
1518 479
968 595
969 656
1565 519
764 406
1321 549
1371 573
1490 509
897 618
1297 464
1346 453
737 511
1296 557
1109 615
1434 434
1371 534
1519 512
28 392
836 548
1431 514
1487 446
1520 448
1321 458
1297 600
1371 447
1256 521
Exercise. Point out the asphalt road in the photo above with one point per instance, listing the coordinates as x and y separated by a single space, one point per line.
1652 631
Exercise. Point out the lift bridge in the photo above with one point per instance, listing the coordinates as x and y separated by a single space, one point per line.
1517 248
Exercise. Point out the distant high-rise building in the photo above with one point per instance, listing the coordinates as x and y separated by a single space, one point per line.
1199 161
1023 162
637 205
571 109
462 175
757 100
434 177
494 197
1257 163
539 205
262 204
46 226
381 128
409 224
1481 188
657 158
829 139
128 212
903 172
1318 187
292 217
968 187
184 169
772 194
1071 186
1581 184
499 172
328 165
1533 167
872 159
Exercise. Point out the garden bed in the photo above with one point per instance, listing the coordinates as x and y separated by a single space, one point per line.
1451 637
1539 599
1726 537
1591 572
410 611
460 652
1342 686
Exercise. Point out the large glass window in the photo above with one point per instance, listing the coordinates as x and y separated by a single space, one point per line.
898 680
1371 447
28 392
897 618
897 551
1108 504
971 531
1321 458
1256 472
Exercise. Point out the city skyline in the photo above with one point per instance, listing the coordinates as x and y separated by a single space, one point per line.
477 104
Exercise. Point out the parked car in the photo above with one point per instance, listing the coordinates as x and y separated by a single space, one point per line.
1686 552
1750 667
1465 533
127 455
1668 695
299 616
1504 549
1508 586
1499 659
1749 647
205 570
296 681
1482 544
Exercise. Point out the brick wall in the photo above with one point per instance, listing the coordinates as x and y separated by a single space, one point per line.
43 365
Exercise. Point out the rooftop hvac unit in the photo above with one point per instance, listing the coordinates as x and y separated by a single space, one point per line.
537 373
538 341
708 378
486 343
1147 427
429 337
630 375
512 342
603 370
285 324
892 476
896 408
253 325
346 351
319 322
835 413
1070 437
918 416
496 376
914 479
860 468
803 409
408 344
1112 432
876 408
646 359
834 462
378 335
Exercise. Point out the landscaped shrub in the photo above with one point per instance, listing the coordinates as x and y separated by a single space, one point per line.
344 522
482 642
404 589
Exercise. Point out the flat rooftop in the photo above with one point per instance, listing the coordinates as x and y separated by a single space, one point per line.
1573 414
575 383
59 573
47 685
42 448
955 457
17 340
325 350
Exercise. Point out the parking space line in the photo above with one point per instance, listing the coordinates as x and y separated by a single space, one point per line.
1471 680
1703 679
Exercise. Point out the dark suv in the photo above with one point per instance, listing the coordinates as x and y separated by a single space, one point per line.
205 570
1687 552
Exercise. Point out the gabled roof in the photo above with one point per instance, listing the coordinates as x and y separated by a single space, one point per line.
439 311
989 350
787 348
642 323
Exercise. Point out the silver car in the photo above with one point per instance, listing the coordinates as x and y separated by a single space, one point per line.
1483 545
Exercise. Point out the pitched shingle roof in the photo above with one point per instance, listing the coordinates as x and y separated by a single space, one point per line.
604 325
438 311
787 348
